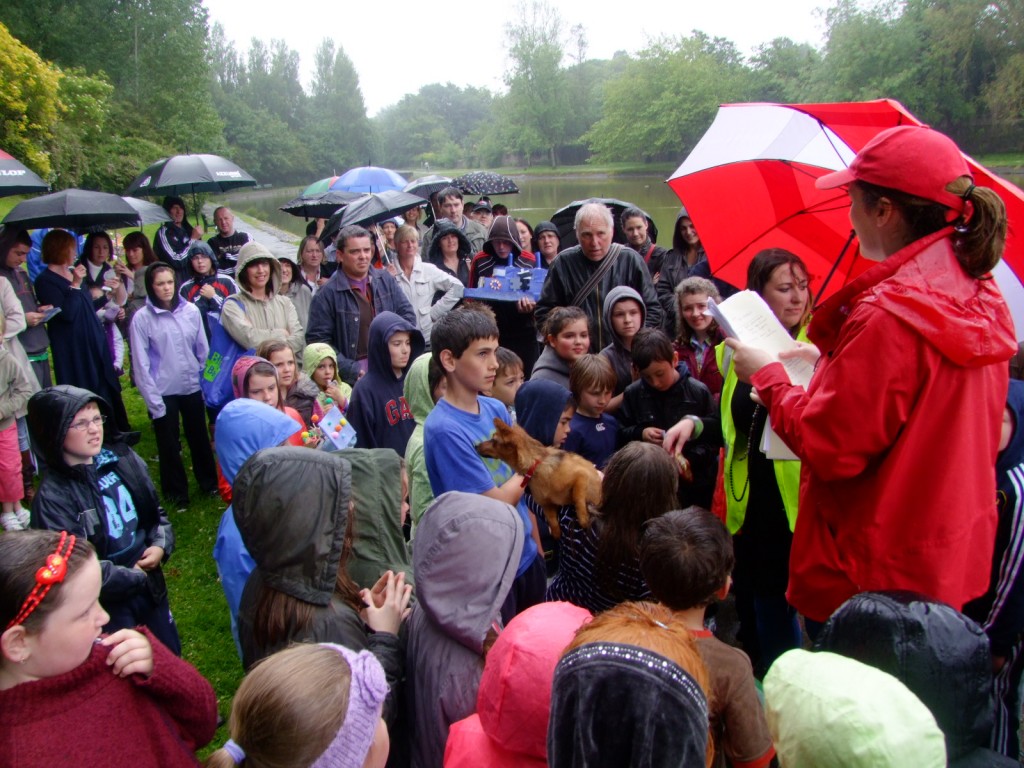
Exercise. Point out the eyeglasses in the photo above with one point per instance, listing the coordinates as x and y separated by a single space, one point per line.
84 424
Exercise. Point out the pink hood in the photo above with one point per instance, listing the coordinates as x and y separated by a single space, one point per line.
514 699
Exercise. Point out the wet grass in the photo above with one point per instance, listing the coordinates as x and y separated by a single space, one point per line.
197 600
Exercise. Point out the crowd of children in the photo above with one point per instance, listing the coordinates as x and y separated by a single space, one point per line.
407 600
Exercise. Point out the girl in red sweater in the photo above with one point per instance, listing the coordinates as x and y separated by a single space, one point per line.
70 695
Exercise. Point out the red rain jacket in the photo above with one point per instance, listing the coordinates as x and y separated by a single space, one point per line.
898 433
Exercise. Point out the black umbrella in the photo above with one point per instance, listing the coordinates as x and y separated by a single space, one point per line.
16 179
565 219
485 183
76 209
425 186
370 209
319 206
189 174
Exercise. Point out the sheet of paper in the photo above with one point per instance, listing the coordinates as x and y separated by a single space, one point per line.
773 447
747 317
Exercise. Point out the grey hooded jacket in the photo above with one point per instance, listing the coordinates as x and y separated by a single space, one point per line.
465 555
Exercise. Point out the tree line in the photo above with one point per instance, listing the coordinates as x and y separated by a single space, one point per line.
91 92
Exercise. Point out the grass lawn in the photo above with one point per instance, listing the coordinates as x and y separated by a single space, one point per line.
196 597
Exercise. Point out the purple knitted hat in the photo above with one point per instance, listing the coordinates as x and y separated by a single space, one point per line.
365 696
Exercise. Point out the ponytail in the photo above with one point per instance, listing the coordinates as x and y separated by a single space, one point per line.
981 234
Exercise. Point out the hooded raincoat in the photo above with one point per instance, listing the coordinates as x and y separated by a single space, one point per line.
243 428
509 727
897 475
617 352
312 356
618 705
251 321
292 509
938 653
222 283
70 498
516 329
378 411
465 557
421 403
432 252
379 544
828 710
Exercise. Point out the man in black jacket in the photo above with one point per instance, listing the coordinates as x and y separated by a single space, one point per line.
577 266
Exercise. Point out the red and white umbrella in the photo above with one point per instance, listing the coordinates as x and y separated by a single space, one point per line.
749 185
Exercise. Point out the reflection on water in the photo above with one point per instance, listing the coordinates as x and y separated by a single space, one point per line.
537 200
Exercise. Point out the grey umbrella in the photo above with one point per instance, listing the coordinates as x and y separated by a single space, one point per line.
319 206
149 213
425 186
370 208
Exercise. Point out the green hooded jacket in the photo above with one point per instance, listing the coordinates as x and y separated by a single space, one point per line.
379 545
421 403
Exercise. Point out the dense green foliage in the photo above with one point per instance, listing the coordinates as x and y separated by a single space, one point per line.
93 109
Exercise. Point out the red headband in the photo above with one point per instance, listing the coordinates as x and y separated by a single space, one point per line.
53 572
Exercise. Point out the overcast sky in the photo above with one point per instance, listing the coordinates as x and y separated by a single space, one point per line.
398 47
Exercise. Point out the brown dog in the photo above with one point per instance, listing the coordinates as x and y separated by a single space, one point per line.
555 477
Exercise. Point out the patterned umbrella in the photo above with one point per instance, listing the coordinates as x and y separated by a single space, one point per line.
485 183
369 178
16 179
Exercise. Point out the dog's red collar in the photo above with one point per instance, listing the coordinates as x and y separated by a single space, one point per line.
529 473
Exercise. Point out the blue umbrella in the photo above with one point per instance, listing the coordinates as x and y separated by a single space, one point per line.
369 178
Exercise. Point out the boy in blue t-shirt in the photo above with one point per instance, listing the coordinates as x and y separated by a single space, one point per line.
464 343
593 433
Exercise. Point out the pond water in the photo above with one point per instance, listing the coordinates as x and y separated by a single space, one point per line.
536 201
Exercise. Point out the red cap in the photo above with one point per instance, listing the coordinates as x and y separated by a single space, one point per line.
909 158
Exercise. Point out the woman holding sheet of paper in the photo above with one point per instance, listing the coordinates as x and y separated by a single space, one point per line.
760 493
898 429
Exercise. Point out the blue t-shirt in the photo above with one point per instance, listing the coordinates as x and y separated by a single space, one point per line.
593 438
450 437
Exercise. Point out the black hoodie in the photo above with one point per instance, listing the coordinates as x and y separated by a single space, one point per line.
69 496
378 411
445 227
